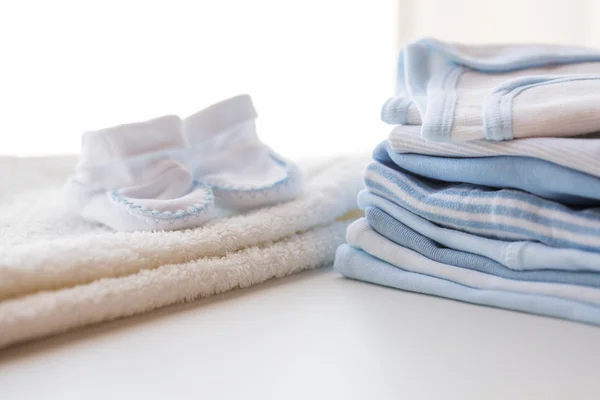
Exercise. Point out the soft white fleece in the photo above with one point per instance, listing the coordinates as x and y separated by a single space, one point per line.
45 313
44 247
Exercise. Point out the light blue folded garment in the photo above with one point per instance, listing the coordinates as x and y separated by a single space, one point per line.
361 235
532 175
429 71
357 264
499 213
516 255
402 235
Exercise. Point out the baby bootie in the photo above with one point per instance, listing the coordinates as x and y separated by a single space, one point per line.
228 155
134 177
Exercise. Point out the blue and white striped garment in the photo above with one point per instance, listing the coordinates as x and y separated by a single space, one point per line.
361 235
516 255
403 236
530 174
498 213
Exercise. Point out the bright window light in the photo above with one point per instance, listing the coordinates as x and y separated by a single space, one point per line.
318 71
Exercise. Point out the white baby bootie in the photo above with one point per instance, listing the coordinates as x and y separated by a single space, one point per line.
227 154
134 177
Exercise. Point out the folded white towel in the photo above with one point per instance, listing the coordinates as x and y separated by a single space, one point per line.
58 272
43 246
50 312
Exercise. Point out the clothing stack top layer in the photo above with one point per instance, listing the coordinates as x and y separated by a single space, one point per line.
460 93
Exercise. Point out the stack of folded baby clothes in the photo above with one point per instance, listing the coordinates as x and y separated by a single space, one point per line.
488 189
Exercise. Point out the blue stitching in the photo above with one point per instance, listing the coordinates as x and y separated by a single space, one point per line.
402 180
230 189
498 104
439 118
501 231
449 105
171 216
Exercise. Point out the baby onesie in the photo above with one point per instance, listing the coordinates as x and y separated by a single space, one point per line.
459 93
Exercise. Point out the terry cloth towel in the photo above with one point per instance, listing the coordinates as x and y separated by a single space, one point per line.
50 312
360 235
458 92
356 264
532 175
499 213
402 235
58 272
44 247
168 174
516 255
580 154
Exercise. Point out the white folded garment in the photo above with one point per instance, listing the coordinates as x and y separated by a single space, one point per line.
581 153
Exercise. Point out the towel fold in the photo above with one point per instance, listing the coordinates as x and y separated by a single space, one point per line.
357 264
529 174
43 246
497 213
58 272
51 312
459 93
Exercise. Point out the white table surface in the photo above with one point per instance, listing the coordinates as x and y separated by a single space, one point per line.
312 336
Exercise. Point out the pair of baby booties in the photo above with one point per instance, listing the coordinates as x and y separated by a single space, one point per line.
170 173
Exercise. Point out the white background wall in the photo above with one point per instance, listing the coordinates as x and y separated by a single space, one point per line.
318 70
500 21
